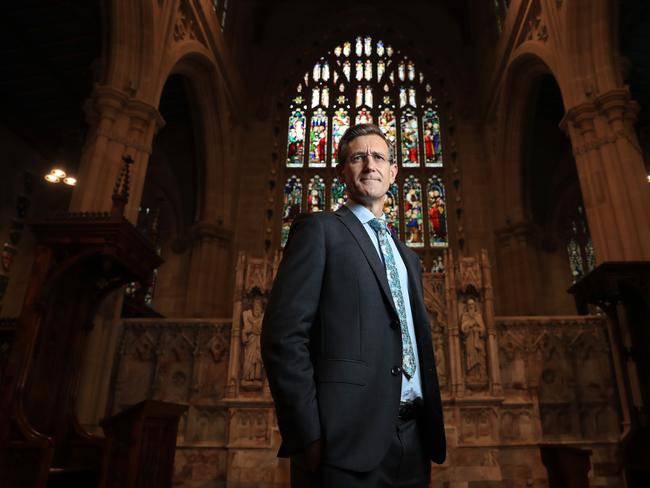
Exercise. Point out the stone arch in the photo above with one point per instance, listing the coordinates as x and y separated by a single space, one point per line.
194 63
528 65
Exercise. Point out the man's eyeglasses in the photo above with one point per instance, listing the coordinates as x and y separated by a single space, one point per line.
363 157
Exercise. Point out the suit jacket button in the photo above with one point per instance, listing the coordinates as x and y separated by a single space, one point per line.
395 324
396 371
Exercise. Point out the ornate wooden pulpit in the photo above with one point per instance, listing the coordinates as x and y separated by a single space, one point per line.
78 260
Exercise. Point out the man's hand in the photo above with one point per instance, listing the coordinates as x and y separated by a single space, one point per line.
313 456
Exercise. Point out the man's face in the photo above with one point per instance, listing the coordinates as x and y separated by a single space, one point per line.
367 171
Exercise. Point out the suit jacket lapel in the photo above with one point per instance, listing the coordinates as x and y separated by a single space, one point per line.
363 240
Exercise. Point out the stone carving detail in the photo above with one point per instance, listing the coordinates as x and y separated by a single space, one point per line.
252 368
436 304
470 274
180 362
186 25
249 427
478 425
473 334
207 426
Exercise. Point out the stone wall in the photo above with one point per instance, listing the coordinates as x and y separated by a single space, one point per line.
509 385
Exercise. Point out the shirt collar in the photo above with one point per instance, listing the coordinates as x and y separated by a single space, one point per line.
362 213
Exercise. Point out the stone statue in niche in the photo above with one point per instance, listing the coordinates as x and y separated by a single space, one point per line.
472 328
252 367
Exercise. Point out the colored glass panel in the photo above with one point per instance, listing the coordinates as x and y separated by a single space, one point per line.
337 51
315 97
575 260
388 126
389 51
367 71
413 222
340 123
346 69
292 205
346 49
412 97
325 97
339 194
296 140
436 213
411 70
316 72
368 96
358 46
409 133
402 96
318 139
316 194
391 210
401 73
431 137
358 72
363 117
367 46
381 68
358 100
380 48
325 71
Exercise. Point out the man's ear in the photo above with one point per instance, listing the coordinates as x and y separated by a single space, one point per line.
393 172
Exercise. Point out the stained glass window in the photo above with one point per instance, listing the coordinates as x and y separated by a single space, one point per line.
292 205
437 212
580 249
339 194
391 210
366 80
316 194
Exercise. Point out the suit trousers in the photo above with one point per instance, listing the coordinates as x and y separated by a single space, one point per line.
405 465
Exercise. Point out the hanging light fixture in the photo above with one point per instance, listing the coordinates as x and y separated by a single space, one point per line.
56 175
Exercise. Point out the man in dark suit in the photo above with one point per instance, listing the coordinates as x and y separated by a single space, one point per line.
346 340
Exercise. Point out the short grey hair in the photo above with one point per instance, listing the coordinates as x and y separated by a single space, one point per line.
360 130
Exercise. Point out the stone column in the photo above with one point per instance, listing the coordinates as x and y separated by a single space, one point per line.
209 282
492 346
612 175
518 268
456 380
118 125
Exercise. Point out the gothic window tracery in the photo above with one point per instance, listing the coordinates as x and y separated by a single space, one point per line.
366 80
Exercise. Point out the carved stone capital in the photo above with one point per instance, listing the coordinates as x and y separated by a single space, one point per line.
582 117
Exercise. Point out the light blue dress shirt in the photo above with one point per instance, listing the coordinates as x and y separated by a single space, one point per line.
411 388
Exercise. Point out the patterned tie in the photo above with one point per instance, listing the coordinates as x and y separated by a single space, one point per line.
408 358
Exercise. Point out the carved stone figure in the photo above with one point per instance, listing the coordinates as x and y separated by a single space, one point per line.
473 330
252 370
470 274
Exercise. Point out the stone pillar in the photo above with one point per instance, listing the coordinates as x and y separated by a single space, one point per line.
209 276
612 175
492 346
518 268
456 380
118 125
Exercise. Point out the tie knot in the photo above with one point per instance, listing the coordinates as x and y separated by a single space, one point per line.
378 225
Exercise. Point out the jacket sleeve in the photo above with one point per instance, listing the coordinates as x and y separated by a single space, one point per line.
289 317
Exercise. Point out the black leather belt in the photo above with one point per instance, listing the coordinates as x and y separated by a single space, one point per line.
408 410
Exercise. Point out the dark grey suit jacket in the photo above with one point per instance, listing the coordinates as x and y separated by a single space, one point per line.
331 340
